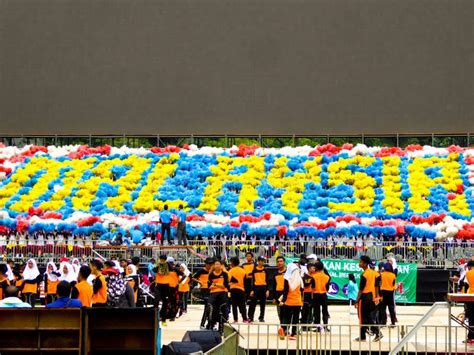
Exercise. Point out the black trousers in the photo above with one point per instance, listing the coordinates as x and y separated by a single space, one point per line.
307 308
238 302
181 233
388 301
173 302
291 317
218 303
205 312
320 303
183 302
260 297
162 292
165 228
248 288
366 315
276 297
470 315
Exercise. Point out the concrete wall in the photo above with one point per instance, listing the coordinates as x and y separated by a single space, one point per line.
236 67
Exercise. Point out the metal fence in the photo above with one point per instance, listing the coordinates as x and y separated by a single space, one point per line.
429 339
431 254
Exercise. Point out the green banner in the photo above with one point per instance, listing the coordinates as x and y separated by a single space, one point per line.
340 270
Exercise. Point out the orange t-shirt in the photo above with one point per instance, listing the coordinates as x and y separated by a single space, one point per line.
294 298
184 285
321 280
101 295
85 293
388 281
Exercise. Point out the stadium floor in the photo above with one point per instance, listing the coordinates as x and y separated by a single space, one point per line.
434 335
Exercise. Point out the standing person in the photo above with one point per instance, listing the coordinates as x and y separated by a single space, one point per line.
218 286
181 228
132 280
248 266
308 287
183 289
51 280
352 290
237 290
259 291
388 285
174 278
320 297
64 299
4 283
99 285
165 219
201 277
32 278
162 287
292 300
279 285
83 291
469 288
366 298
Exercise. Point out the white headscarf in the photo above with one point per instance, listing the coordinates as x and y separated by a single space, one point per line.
186 272
52 277
293 276
31 273
134 270
10 275
76 267
70 276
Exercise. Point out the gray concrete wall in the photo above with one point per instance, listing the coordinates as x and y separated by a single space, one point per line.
236 67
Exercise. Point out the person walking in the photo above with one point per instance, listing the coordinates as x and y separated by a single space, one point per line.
237 290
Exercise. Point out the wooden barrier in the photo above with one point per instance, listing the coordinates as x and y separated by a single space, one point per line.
75 331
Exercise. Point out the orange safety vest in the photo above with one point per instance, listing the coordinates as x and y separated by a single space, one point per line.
184 285
280 281
236 278
370 277
294 298
388 281
321 280
259 276
218 280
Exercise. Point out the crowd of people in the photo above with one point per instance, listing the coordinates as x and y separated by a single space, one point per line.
73 284
298 289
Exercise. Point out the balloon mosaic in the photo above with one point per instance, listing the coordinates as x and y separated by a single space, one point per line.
263 192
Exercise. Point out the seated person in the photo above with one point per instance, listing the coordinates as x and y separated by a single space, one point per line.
11 299
64 300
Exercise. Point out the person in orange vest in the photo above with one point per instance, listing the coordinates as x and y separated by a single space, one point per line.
388 285
175 277
237 290
162 287
259 291
469 289
320 296
292 299
366 299
82 290
248 266
218 286
51 280
99 284
278 285
201 277
308 287
183 289
4 283
32 278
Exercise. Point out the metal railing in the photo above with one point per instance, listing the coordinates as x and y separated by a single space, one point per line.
432 339
433 254
229 344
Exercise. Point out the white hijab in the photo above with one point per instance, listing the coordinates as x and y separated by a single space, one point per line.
31 273
134 270
70 276
293 276
186 272
10 275
77 266
52 277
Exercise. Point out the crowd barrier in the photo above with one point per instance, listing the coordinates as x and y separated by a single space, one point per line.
428 254
75 331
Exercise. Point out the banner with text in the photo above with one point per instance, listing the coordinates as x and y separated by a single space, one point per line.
340 270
